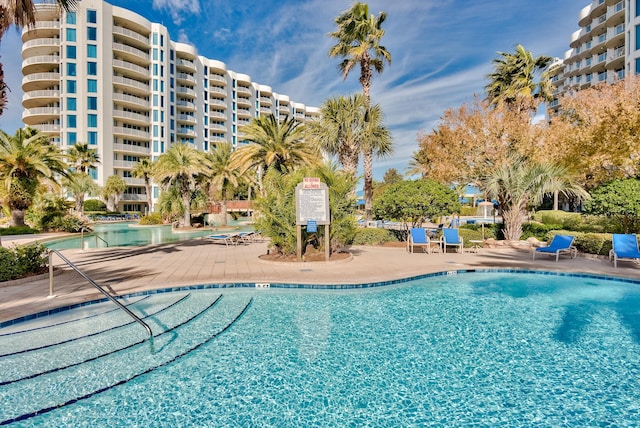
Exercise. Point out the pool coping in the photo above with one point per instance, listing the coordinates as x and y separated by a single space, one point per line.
301 286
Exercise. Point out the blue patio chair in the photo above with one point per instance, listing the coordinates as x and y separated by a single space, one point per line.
625 246
560 244
451 238
418 237
223 238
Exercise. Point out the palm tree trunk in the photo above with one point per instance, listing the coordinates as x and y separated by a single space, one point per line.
512 220
147 189
186 201
555 200
17 217
367 161
223 212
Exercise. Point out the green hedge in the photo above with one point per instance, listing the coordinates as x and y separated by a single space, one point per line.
17 230
22 260
151 219
373 236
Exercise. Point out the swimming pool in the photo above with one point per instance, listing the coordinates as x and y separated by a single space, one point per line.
482 349
122 234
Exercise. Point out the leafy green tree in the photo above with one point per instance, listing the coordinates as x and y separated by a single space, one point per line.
392 176
274 145
619 200
82 157
520 183
180 166
276 208
513 81
80 185
358 42
27 159
144 169
112 190
412 202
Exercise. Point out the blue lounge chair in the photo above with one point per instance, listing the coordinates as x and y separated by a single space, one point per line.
223 238
625 246
418 237
560 244
451 238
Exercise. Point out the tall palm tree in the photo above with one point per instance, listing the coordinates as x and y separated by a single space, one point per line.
273 145
221 176
180 166
358 42
513 81
27 159
19 13
519 183
112 190
82 157
144 169
337 131
80 185
376 141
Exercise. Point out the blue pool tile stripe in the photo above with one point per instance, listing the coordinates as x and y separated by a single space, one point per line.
322 286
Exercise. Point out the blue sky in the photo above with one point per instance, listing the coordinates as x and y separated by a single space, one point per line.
441 50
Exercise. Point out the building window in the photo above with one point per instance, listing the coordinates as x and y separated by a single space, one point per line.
71 86
71 34
71 52
71 69
154 38
92 68
92 120
637 65
92 138
70 18
93 173
92 51
71 121
92 103
71 138
92 33
155 54
92 16
71 104
92 85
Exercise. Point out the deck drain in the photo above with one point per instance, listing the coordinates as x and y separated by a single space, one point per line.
306 270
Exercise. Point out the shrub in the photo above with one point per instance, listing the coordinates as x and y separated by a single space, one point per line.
470 235
94 205
151 219
66 223
373 236
9 268
468 211
567 220
31 257
538 230
17 230
619 200
492 230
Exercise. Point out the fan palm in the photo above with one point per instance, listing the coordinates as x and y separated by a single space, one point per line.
80 185
358 42
180 166
513 81
82 157
144 169
221 176
273 145
27 159
519 183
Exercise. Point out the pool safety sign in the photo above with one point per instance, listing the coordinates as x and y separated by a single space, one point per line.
312 202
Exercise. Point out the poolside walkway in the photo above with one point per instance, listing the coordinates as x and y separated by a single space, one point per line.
198 261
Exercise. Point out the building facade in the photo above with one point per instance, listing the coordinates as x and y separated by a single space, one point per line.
605 49
106 76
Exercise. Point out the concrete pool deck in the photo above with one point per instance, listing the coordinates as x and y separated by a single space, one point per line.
198 261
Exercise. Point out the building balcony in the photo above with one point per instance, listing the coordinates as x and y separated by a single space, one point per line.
186 118
131 54
217 127
41 47
265 110
131 37
244 112
218 103
185 65
131 101
599 62
133 134
218 79
131 85
186 132
184 105
123 164
40 98
215 139
266 101
133 197
186 92
47 129
130 148
243 90
37 115
615 14
217 115
40 81
615 58
130 117
131 70
40 64
135 182
41 29
215 90
186 78
615 36
244 102
598 8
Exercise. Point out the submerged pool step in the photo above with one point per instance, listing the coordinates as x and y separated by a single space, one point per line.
69 331
53 390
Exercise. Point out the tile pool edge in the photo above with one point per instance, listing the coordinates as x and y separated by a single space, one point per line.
281 285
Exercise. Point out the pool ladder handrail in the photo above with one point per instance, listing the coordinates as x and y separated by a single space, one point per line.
96 285
84 229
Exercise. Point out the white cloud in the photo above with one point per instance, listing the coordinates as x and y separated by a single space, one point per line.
178 9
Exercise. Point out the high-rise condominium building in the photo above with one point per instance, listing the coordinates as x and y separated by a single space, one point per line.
108 77
605 49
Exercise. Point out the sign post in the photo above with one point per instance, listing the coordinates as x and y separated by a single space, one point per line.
312 209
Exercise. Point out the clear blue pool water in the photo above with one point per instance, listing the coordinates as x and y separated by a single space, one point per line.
123 234
477 349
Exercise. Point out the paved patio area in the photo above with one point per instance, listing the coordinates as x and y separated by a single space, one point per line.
198 261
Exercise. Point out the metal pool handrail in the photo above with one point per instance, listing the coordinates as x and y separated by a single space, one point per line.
94 234
95 284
